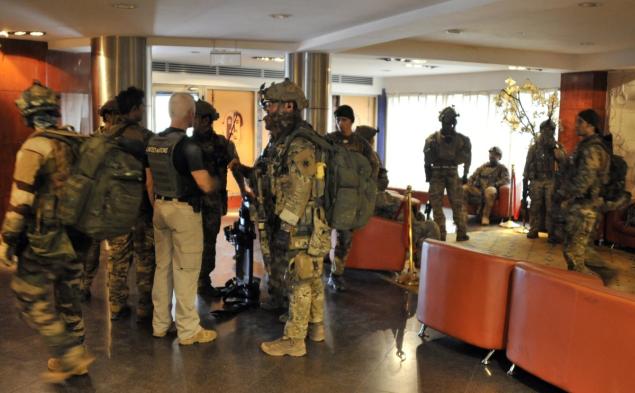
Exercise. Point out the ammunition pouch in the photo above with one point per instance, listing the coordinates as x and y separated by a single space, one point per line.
320 241
304 267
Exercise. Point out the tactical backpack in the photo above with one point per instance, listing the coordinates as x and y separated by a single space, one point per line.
614 190
103 195
349 187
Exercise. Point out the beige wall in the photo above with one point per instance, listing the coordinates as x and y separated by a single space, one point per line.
232 106
621 119
364 108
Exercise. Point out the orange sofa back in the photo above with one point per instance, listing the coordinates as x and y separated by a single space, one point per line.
380 245
576 335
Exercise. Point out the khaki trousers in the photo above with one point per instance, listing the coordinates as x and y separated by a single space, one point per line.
178 237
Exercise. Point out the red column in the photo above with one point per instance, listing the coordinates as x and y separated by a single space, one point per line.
579 91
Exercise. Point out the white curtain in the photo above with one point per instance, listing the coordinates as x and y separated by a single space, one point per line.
75 108
411 118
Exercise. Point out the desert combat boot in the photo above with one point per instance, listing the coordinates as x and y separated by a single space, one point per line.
284 346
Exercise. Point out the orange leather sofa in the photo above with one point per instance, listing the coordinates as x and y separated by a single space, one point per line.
574 334
380 245
616 229
464 293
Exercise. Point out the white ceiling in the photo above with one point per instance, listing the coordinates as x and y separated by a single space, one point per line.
496 33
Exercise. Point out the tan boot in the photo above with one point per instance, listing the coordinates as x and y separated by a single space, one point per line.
284 346
485 220
74 362
203 336
316 332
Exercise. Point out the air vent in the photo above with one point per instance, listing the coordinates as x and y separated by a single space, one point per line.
273 74
239 71
353 80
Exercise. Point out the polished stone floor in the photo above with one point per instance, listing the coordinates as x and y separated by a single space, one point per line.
371 347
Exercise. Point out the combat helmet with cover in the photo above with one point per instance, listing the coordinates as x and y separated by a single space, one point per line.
285 91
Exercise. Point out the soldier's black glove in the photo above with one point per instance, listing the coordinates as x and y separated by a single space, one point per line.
464 179
281 241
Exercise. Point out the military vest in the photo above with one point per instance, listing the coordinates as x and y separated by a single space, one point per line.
216 155
168 182
489 175
451 151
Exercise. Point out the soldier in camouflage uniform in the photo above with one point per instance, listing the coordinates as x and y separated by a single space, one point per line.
138 245
218 155
590 165
49 254
345 136
482 187
300 235
444 151
544 159
109 113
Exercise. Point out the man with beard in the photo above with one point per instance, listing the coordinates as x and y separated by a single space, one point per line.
444 151
482 187
299 237
218 155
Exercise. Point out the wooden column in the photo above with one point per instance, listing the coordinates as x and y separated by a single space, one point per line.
579 91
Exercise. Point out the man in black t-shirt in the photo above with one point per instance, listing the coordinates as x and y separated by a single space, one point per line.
178 180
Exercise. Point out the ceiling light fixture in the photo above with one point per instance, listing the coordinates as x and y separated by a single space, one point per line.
280 16
454 31
124 6
18 33
523 68
36 33
4 33
589 4
269 58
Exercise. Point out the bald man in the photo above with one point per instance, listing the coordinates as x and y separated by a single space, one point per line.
177 181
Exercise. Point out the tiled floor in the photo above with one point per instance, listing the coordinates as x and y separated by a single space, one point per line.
371 346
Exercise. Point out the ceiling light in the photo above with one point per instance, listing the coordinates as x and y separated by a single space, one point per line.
4 33
19 33
589 4
427 67
124 6
419 61
454 31
281 16
269 58
36 33
517 68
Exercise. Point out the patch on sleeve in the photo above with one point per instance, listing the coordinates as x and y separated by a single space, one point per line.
305 162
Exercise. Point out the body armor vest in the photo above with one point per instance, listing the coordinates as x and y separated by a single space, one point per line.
168 182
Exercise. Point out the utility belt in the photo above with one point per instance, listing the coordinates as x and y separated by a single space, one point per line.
194 201
444 166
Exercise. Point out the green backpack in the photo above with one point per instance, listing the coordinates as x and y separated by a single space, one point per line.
103 195
349 187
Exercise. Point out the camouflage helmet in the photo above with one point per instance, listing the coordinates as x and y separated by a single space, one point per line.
496 150
204 108
366 132
448 112
284 91
38 98
109 107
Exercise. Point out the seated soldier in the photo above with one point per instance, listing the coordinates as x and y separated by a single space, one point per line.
482 187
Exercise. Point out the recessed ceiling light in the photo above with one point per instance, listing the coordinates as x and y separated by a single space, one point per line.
419 61
587 43
19 33
281 16
454 31
124 6
589 4
4 33
37 33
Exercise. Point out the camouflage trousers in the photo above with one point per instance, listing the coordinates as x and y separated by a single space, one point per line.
541 193
90 265
56 314
306 298
578 240
422 230
211 212
277 285
136 246
483 198
342 249
447 179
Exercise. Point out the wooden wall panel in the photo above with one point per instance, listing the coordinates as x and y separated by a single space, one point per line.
579 91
